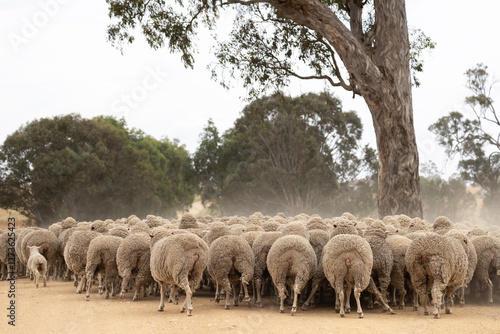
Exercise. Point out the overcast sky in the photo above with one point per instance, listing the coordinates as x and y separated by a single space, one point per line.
54 59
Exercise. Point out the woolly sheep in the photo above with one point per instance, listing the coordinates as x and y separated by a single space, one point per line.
217 230
75 255
260 248
179 260
99 226
436 263
348 259
37 264
230 259
470 251
133 260
442 225
488 260
291 260
119 231
48 246
399 245
4 256
383 259
188 221
101 257
271 225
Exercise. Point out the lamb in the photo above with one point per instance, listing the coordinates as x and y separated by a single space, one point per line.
230 259
37 264
101 257
48 246
260 248
291 260
133 260
436 263
75 255
488 260
179 260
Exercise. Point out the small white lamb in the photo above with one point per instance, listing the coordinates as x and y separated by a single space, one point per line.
37 264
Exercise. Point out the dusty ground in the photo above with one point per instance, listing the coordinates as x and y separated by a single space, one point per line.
58 309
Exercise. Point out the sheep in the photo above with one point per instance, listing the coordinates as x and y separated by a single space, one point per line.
260 248
75 255
140 227
4 255
271 225
399 245
442 225
188 221
217 230
488 260
179 260
101 257
470 251
119 231
348 258
318 239
48 247
291 260
230 259
99 226
436 263
37 264
133 259
383 259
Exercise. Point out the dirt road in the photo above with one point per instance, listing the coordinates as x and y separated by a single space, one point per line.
58 309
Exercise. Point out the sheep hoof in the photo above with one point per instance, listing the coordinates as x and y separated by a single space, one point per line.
448 311
294 310
347 310
182 309
400 307
226 307
360 315
342 315
259 305
87 298
304 307
415 308
426 312
282 310
160 309
190 312
249 304
436 316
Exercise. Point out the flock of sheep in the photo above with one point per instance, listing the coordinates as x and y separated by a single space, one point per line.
393 260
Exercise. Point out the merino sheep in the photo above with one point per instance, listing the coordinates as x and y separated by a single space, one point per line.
231 260
436 263
488 261
75 255
37 264
101 257
291 260
179 260
348 259
383 260
399 245
133 260
48 247
260 248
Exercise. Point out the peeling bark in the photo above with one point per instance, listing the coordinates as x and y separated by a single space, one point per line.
381 75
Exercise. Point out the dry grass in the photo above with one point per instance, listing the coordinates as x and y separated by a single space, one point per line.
20 220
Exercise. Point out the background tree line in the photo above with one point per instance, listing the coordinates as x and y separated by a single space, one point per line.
288 154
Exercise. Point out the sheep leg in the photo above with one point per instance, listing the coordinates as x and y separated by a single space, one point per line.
341 300
235 296
489 286
126 278
217 293
370 301
357 295
348 300
187 301
44 274
282 295
337 301
226 302
36 275
373 289
101 287
89 285
257 292
173 298
162 297
245 291
437 295
310 299
296 292
449 300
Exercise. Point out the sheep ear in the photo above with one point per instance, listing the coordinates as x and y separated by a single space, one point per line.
151 235
355 224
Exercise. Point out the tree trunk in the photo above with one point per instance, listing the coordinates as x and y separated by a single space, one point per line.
381 74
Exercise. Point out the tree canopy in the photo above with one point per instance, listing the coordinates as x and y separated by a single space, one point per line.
362 46
52 168
283 154
475 140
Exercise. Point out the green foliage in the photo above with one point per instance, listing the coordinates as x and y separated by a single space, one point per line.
264 48
91 168
283 154
476 140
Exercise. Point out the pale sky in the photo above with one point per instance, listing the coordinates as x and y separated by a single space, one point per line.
54 59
